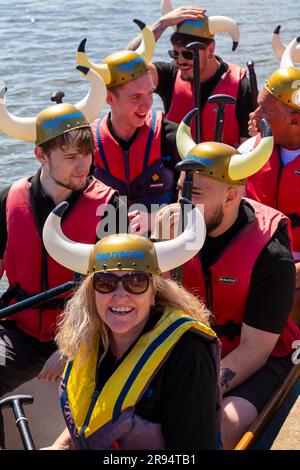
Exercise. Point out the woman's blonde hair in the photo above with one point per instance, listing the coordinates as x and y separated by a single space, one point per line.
80 320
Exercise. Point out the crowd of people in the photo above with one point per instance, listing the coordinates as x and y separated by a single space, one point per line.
147 362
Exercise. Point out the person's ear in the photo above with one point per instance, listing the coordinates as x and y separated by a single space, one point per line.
40 156
295 119
110 98
231 196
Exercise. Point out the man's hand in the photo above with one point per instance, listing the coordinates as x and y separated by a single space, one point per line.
53 368
254 126
167 222
178 15
140 222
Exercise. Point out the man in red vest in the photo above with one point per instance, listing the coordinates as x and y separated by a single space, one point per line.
245 275
277 184
64 146
135 147
174 81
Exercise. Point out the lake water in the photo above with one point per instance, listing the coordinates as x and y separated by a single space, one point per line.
39 42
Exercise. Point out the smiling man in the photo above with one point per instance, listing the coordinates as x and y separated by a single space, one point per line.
135 146
174 81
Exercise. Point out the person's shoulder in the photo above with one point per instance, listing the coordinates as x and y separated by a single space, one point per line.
190 346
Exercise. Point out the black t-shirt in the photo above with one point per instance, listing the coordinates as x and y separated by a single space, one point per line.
43 205
181 396
166 80
169 151
272 286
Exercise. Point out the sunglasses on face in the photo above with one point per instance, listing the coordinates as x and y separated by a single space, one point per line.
134 283
188 55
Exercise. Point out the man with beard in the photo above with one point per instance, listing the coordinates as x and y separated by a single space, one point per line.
64 146
174 81
244 273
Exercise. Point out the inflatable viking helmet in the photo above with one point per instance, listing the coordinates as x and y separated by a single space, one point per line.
279 47
205 27
284 83
123 66
56 119
123 251
221 161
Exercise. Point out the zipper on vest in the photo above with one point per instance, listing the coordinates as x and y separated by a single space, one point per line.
88 417
208 288
278 177
127 176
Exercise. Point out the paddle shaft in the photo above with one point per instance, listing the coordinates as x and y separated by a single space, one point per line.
37 299
253 83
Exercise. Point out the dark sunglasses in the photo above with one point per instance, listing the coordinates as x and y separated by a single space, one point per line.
188 55
134 283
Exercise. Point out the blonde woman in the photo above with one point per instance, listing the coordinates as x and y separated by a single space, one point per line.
142 370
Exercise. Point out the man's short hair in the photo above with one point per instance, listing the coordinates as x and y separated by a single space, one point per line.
183 40
81 139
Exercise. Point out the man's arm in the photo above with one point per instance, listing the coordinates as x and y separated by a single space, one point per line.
251 354
174 17
267 308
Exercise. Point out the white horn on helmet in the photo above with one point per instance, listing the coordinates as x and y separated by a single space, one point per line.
279 47
25 128
184 140
72 255
224 24
289 53
243 165
92 104
175 252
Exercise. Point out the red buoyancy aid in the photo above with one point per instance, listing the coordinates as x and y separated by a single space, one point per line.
225 292
279 187
23 258
139 172
183 102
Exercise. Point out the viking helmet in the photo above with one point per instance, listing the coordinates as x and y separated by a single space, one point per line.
221 161
205 27
57 119
123 251
123 66
284 83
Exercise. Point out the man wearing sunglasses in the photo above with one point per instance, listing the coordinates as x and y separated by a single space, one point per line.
174 81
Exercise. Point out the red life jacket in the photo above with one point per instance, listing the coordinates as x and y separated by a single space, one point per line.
138 173
279 187
26 261
225 290
183 102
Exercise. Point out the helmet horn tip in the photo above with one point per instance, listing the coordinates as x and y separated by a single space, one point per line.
277 29
234 45
83 69
60 209
81 47
139 23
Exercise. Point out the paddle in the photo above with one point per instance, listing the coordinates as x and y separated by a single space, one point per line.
38 299
195 47
188 166
16 402
221 101
253 84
